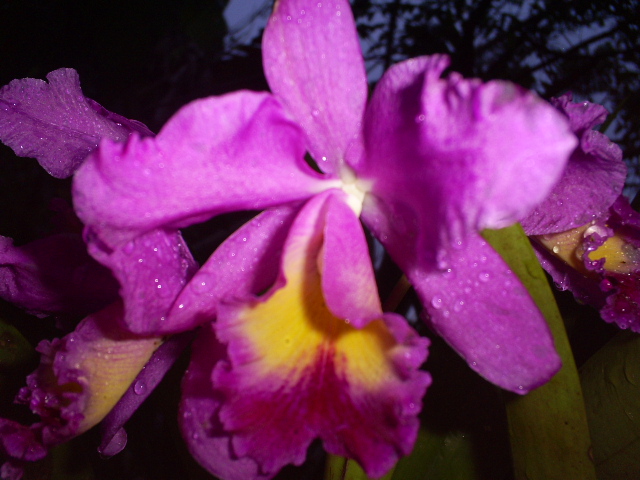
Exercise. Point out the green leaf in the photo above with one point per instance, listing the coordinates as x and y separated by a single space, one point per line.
548 428
340 468
15 350
611 384
463 429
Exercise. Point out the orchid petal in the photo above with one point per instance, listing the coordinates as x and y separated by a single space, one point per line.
204 162
592 180
313 63
82 376
292 362
152 269
114 437
54 275
55 123
246 264
468 145
199 405
20 442
480 307
348 281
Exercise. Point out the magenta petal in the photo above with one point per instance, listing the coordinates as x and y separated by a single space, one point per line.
348 281
246 264
55 123
456 156
152 270
20 442
54 275
207 441
483 311
313 62
296 372
275 415
592 180
220 154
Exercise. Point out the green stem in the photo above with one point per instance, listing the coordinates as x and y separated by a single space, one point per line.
548 427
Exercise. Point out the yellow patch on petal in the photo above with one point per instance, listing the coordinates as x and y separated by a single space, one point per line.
619 256
567 246
106 359
111 366
293 330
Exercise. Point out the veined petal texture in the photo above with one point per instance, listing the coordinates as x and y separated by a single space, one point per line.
454 155
81 377
152 270
480 307
235 152
55 123
592 181
290 372
245 265
313 62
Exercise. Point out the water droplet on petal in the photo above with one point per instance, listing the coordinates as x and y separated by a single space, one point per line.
139 387
484 277
436 302
457 306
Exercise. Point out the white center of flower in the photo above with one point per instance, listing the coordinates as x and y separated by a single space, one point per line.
354 188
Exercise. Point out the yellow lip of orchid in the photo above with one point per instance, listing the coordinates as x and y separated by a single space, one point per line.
300 356
619 256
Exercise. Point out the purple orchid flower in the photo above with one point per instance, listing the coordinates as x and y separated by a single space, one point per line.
55 123
587 235
86 372
294 344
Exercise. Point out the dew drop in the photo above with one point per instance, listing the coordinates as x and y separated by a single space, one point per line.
139 388
484 277
436 302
